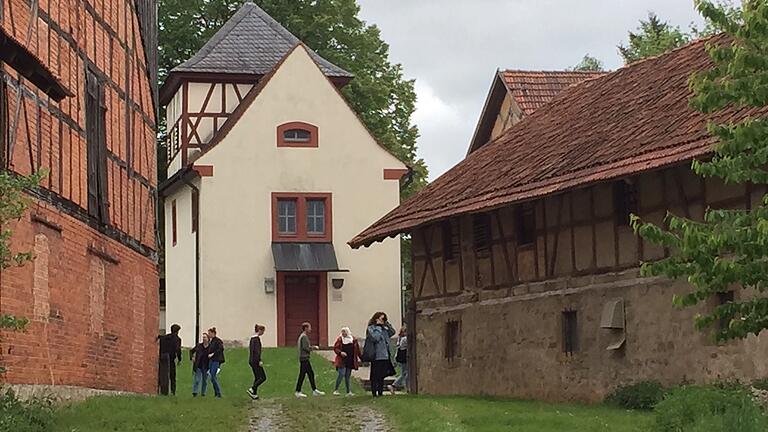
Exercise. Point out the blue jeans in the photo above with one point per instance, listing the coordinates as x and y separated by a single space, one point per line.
213 370
402 380
200 376
345 373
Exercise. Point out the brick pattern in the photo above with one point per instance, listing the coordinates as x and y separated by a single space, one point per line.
72 346
67 36
89 312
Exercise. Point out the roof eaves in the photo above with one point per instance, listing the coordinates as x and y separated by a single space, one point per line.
474 144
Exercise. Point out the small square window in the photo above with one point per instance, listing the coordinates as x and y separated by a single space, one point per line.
452 340
286 216
722 299
624 201
316 217
481 229
570 332
451 248
525 224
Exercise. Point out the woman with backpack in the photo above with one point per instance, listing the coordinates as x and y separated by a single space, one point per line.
402 359
377 348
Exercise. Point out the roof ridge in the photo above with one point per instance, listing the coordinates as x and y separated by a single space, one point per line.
673 50
552 71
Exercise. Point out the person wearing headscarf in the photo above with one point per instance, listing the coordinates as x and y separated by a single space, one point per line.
347 356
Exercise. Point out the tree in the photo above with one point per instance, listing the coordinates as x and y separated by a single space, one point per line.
729 248
589 64
652 37
13 203
383 98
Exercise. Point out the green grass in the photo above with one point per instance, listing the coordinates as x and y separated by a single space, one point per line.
411 413
182 412
405 413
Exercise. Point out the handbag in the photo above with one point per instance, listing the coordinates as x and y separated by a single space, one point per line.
369 350
390 369
401 356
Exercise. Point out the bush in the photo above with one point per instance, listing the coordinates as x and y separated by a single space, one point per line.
710 409
24 416
640 396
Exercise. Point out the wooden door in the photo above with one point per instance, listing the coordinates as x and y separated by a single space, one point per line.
301 304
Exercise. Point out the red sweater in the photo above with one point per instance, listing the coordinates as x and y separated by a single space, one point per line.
339 361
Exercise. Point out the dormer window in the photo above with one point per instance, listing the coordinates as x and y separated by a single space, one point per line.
297 134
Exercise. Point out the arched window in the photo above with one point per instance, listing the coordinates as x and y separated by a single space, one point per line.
297 134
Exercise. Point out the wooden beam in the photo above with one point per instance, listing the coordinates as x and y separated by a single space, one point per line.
558 229
681 192
573 233
593 217
504 246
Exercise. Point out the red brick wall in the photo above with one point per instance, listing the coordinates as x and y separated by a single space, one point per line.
93 304
92 298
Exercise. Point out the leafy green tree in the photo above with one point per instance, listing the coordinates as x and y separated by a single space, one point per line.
652 37
13 204
383 98
729 248
589 64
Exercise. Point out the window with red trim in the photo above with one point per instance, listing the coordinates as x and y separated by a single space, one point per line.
301 217
297 134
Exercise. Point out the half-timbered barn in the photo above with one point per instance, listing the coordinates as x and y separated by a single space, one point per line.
77 101
270 171
526 279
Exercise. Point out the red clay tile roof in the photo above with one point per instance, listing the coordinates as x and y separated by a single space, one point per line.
635 119
530 89
534 89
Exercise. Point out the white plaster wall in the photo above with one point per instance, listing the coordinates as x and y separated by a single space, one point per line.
180 267
236 206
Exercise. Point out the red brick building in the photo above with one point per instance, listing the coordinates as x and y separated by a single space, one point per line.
78 99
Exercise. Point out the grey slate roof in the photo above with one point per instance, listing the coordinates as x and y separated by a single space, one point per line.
251 42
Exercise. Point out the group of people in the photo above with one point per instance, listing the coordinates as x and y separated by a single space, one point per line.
208 356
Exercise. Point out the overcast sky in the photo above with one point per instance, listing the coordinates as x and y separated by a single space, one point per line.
453 47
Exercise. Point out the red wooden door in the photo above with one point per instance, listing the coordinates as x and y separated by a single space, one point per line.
301 304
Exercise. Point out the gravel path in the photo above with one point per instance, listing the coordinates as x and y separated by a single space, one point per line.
265 417
371 420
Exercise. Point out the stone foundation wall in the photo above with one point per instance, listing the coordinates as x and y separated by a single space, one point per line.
511 341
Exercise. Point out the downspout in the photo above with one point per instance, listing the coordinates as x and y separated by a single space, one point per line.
196 190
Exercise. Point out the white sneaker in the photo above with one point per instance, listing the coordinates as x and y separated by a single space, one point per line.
317 393
300 395
391 389
336 393
350 394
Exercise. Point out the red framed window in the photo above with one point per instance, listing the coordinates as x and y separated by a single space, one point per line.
297 134
301 217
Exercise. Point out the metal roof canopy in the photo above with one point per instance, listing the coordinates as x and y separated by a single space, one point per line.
305 257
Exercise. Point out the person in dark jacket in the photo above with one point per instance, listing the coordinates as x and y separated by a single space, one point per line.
215 359
200 366
305 367
379 332
170 353
254 359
